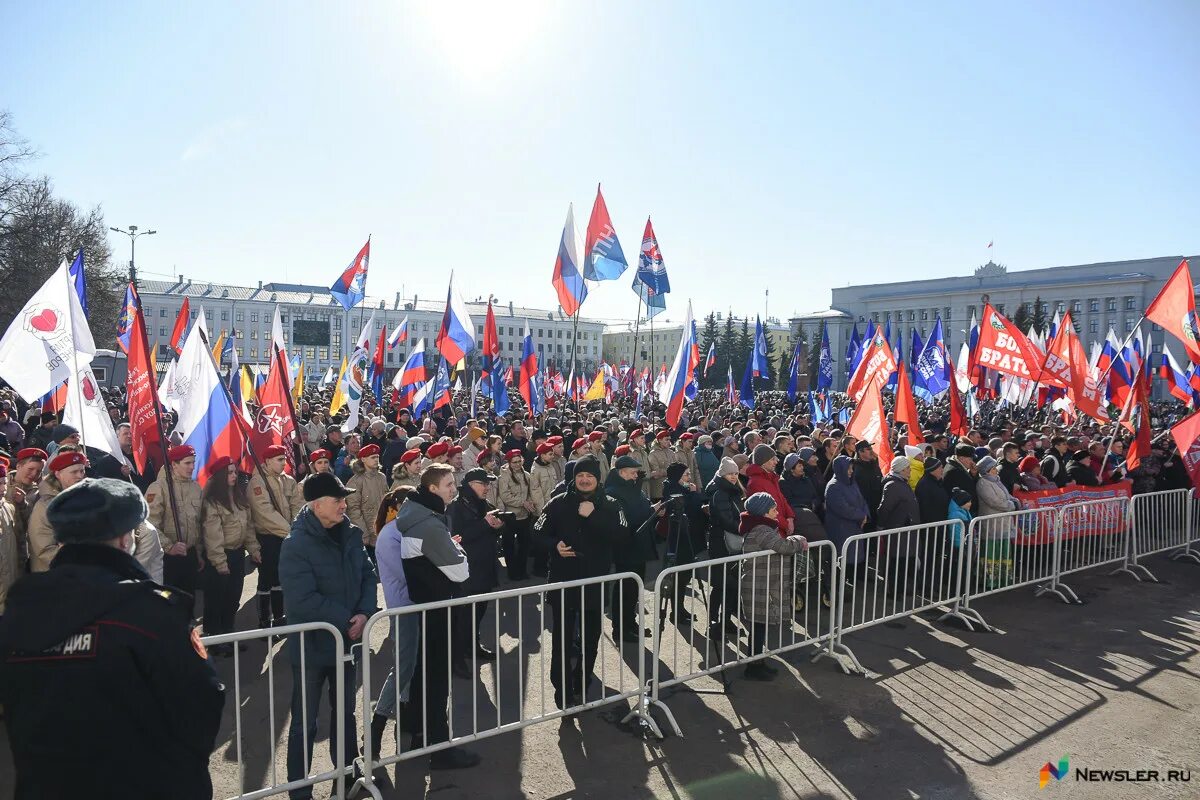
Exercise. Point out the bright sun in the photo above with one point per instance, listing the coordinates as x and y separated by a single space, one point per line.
479 38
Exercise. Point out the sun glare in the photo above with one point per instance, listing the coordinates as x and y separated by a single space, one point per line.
480 39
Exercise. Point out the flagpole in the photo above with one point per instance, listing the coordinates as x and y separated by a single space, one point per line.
75 364
637 321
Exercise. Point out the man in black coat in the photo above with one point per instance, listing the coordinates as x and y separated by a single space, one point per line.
960 471
868 476
1054 464
581 528
1010 474
99 665
624 485
933 498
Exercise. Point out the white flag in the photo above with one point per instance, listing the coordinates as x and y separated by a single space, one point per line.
176 384
280 345
86 411
48 339
328 379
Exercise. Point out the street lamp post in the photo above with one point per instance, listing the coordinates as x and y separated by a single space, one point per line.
133 233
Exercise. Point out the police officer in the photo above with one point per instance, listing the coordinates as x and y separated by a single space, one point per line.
106 688
275 501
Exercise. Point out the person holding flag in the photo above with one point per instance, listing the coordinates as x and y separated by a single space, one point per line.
183 560
275 501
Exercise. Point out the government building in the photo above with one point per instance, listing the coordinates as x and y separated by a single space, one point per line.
316 326
1099 296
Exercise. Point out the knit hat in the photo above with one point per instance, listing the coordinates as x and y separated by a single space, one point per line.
790 461
675 471
703 440
933 465
960 496
980 452
1028 464
806 453
62 432
986 464
728 467
759 504
899 464
96 510
912 451
589 464
763 453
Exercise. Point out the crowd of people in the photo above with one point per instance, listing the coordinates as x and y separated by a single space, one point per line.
402 511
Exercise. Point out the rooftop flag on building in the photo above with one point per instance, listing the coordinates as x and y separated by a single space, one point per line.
568 276
603 258
47 340
650 281
456 338
351 286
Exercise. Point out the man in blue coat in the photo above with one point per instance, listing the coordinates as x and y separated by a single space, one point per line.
326 577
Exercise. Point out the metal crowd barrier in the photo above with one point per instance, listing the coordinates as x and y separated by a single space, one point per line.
707 626
885 575
1162 522
518 688
1008 551
240 744
1093 533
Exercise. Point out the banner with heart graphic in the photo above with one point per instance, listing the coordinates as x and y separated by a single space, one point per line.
48 339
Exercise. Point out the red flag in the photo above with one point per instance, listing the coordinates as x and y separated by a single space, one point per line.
141 387
875 367
1067 365
1187 438
274 423
1136 417
869 423
959 424
377 365
491 348
1003 348
906 407
1175 310
181 324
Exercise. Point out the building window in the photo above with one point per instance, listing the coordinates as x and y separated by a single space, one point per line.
1045 308
1129 304
479 330
254 352
1093 305
238 334
1156 348
924 315
193 315
283 318
310 352
875 316
254 335
970 312
1076 306
324 353
1155 327
1000 307
162 312
1128 325
239 316
162 331
1060 307
887 316
1093 327
946 313
254 316
1110 303
224 316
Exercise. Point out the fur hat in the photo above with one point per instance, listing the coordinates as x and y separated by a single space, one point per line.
96 510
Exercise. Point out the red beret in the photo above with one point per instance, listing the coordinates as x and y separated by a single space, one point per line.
410 456
687 436
68 459
453 451
514 453
274 451
317 455
553 440
219 464
636 433
622 450
180 453
437 449
31 452
369 450
578 444
544 448
663 434
595 436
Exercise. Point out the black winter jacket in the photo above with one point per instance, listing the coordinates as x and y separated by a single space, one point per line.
726 502
105 689
933 500
593 538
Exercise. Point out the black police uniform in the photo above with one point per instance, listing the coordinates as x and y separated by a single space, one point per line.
105 687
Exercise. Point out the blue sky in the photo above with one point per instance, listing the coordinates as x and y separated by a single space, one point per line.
784 145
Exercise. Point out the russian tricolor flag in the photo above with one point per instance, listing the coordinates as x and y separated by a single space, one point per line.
529 388
687 358
351 286
399 335
413 371
206 420
457 336
567 279
1177 380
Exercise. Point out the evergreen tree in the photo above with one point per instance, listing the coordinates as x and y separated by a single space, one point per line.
773 359
785 360
814 357
741 356
1040 323
727 348
1022 318
709 334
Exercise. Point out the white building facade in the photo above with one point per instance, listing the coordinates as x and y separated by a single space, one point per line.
317 327
1110 294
